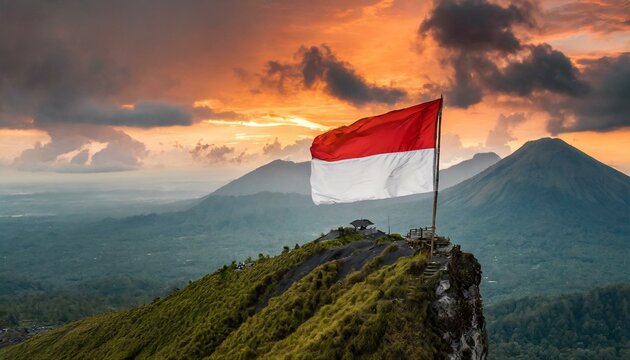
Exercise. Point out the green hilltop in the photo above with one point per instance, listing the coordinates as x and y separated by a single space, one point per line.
349 297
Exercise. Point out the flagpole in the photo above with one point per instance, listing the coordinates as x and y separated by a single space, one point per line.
436 169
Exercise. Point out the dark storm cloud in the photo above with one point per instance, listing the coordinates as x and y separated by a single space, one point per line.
487 57
475 32
606 106
470 70
49 77
477 25
603 16
319 65
60 59
280 77
205 113
75 69
543 69
141 114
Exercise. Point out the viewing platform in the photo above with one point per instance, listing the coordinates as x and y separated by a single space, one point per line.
420 238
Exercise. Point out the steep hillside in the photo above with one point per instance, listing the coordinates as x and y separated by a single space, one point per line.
550 219
592 325
347 297
546 174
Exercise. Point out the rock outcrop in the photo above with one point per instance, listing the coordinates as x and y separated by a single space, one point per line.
459 308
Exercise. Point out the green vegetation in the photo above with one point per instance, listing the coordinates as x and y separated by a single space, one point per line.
592 325
389 238
36 304
540 223
375 312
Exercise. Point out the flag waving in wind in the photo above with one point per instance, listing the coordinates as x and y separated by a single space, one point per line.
378 157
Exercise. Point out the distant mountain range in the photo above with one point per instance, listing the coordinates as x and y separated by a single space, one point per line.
277 176
547 219
543 175
289 177
544 209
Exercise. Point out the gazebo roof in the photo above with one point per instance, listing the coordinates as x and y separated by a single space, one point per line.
361 223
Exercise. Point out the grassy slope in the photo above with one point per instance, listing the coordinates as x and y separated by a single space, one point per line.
378 311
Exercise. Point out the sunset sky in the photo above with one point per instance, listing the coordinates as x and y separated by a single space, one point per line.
101 86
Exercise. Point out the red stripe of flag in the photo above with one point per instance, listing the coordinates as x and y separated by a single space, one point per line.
408 129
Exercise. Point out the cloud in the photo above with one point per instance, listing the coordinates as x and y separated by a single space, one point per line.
298 151
477 25
454 151
501 134
473 45
81 158
58 65
496 141
50 75
603 16
466 87
280 77
605 108
212 154
319 65
121 152
59 58
488 57
207 113
44 77
141 114
543 69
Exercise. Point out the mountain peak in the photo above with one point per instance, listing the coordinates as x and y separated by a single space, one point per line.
547 140
554 156
546 144
546 167
279 162
486 156
467 169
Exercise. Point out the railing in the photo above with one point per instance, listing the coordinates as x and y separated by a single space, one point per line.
420 233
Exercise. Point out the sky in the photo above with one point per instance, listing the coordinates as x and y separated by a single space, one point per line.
110 86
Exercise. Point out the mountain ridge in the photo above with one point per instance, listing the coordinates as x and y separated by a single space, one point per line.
530 240
385 307
541 168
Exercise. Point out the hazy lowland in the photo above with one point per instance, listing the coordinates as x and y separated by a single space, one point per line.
544 222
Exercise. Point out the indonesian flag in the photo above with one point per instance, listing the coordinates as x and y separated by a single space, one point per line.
377 157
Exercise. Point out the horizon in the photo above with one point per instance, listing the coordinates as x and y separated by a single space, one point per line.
188 183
